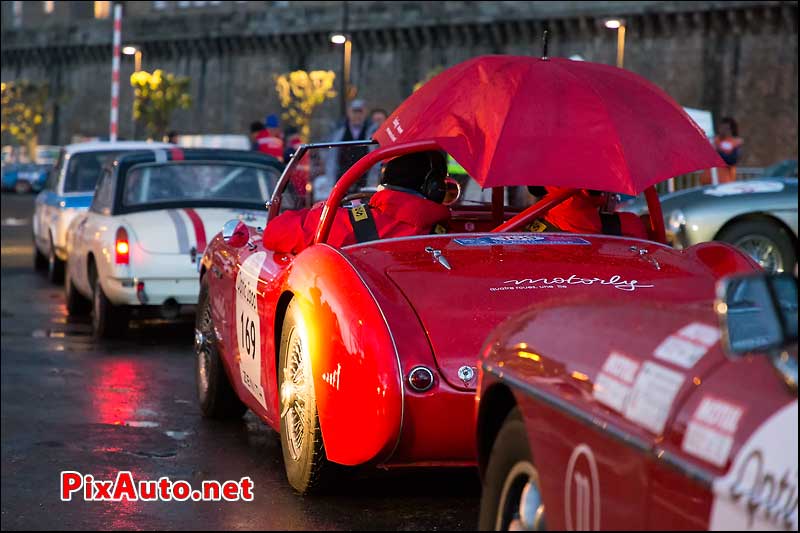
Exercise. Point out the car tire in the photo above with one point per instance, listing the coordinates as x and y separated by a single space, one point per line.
215 394
304 457
509 471
39 259
768 243
109 321
77 305
55 266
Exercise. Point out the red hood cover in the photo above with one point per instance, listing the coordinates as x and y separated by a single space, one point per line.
493 276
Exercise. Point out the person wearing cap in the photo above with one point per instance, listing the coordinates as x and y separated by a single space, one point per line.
355 127
270 140
408 202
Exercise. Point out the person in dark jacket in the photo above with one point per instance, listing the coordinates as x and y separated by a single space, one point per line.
408 202
355 127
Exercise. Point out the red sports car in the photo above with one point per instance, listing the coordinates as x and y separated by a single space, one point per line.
367 353
637 411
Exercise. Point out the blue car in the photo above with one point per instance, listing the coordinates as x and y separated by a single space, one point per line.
31 178
9 176
68 191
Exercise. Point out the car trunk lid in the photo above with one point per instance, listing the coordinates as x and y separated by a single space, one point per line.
462 287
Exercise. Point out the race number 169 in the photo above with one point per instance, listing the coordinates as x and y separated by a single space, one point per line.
248 336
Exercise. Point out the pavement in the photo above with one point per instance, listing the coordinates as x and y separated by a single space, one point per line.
72 403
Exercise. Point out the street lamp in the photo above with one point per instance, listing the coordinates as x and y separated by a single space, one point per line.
136 52
344 39
619 25
137 56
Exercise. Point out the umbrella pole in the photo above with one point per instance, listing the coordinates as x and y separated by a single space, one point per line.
498 204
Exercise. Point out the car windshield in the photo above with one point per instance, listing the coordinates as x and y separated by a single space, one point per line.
85 168
194 182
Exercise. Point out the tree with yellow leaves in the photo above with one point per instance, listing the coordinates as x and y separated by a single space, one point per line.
300 92
26 107
157 96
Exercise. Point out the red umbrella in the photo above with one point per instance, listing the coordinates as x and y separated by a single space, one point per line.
513 120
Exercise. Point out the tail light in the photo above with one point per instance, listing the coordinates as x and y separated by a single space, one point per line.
420 378
122 248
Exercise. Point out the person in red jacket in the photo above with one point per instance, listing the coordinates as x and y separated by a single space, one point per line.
408 202
588 211
270 140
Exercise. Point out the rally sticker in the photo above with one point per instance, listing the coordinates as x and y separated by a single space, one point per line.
615 381
688 345
248 326
745 187
760 489
710 432
650 401
522 239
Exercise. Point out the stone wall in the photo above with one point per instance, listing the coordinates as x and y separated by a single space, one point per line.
734 58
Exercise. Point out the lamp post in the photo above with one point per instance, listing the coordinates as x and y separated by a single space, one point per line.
136 52
344 39
619 25
137 56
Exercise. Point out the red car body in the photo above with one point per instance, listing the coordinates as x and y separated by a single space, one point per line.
635 417
382 308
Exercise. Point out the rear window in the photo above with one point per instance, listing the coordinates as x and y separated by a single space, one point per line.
85 169
193 182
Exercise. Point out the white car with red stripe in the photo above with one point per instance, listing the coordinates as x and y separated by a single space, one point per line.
134 253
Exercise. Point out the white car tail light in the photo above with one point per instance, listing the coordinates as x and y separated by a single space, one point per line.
121 247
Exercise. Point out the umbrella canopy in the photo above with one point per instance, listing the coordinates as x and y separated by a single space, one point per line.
515 120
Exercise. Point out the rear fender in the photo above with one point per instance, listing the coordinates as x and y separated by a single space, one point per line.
354 358
723 259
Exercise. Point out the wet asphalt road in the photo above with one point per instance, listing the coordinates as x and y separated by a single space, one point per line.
70 403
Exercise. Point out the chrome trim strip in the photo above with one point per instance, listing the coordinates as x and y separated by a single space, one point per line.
654 453
394 346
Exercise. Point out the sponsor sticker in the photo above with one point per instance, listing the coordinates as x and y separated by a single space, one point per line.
688 345
522 239
615 381
332 378
710 432
760 489
582 491
248 325
651 398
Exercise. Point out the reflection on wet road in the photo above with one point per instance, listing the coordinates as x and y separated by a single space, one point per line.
71 403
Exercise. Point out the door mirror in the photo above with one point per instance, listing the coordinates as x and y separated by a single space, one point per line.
757 312
235 233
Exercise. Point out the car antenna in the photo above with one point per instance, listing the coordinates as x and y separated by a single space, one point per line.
544 45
